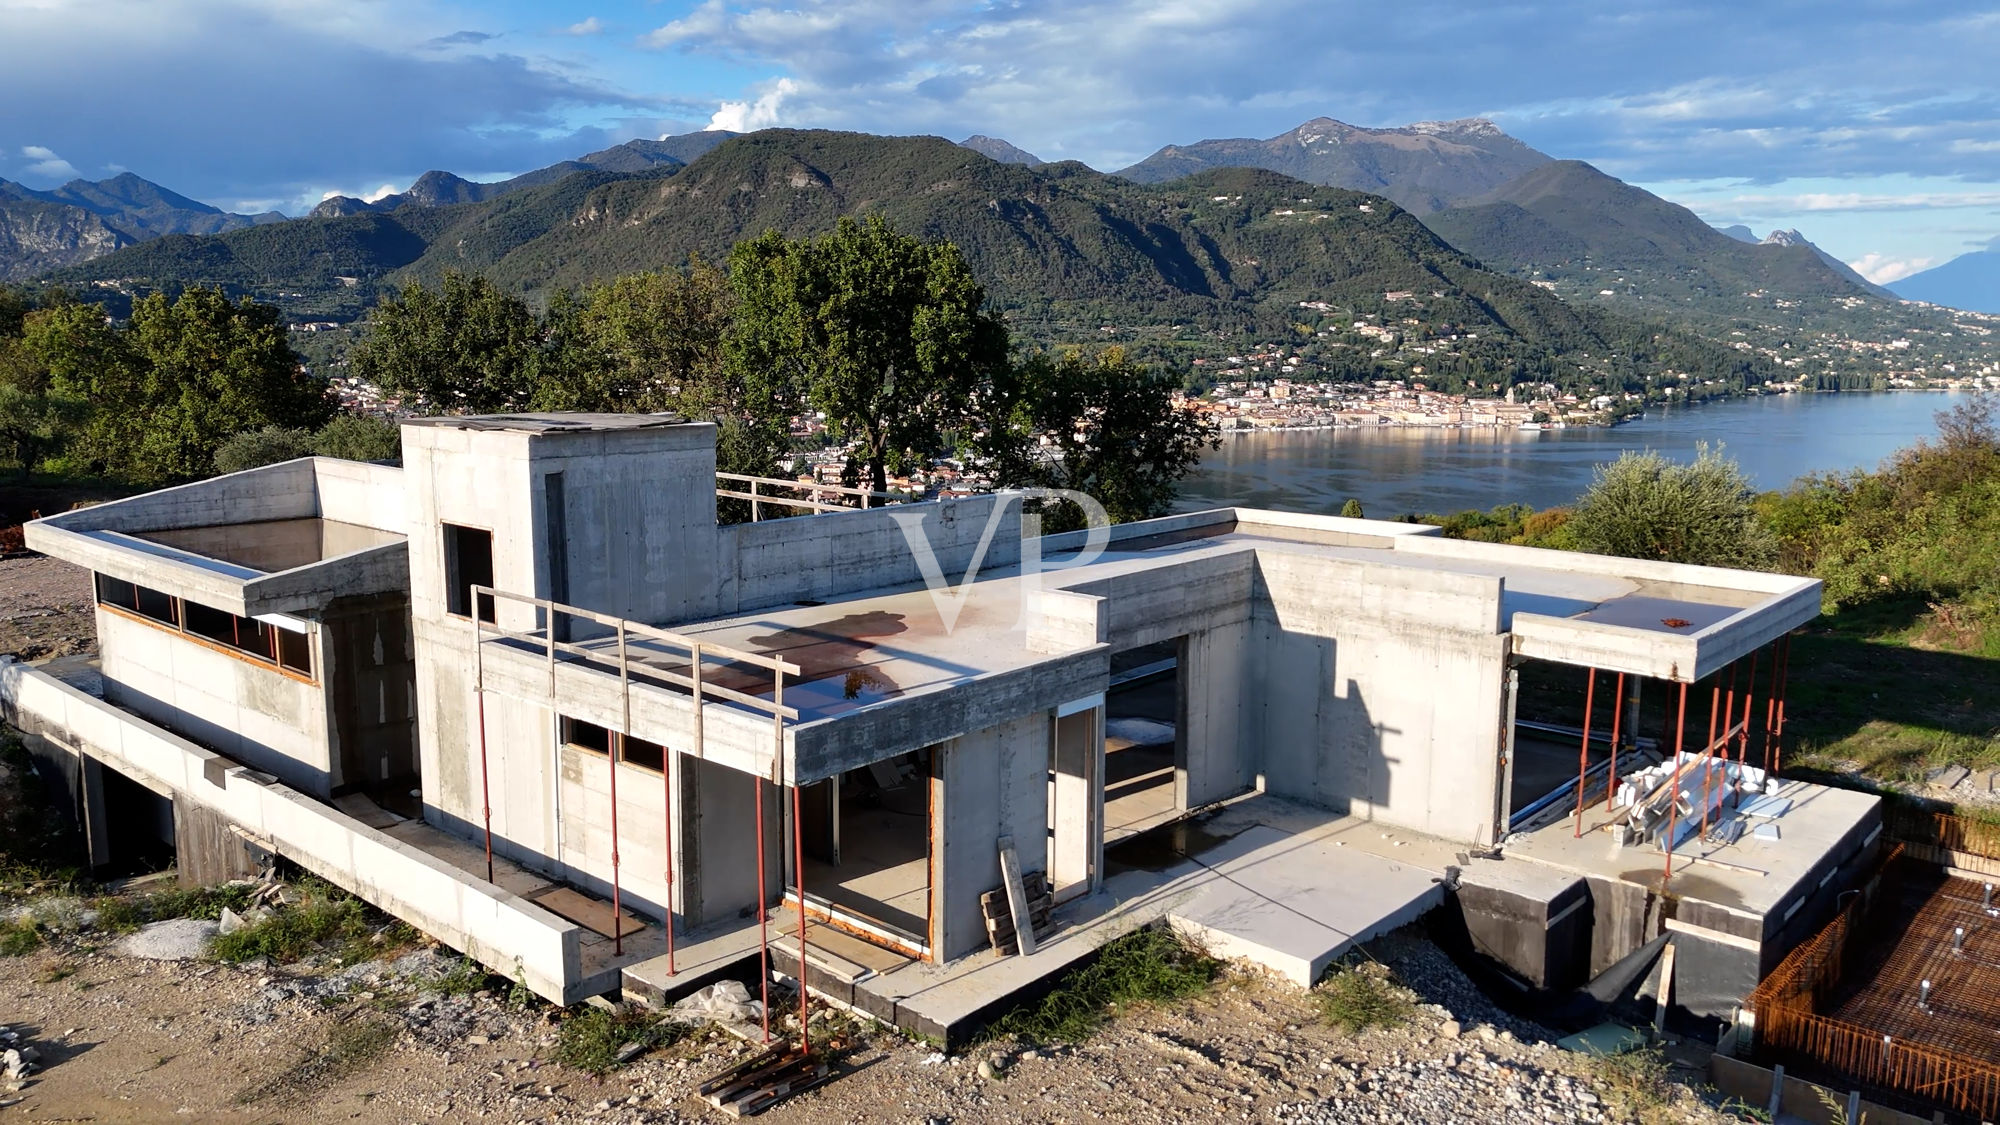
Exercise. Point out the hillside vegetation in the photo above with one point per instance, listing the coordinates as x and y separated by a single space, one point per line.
1061 250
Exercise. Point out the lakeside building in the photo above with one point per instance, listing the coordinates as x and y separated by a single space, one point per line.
528 694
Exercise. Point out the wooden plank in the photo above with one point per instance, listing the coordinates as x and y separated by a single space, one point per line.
590 913
1666 988
1017 896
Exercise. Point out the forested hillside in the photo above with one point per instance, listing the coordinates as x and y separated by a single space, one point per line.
1063 250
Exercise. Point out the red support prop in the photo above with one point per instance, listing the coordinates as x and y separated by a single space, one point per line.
1617 716
1714 693
763 913
1750 706
1583 755
1784 686
799 847
1674 795
667 756
617 918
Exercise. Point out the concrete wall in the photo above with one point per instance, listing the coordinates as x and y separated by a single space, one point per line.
245 710
819 557
718 860
992 783
508 934
1378 691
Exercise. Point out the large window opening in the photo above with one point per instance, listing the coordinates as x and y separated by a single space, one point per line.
594 739
866 835
285 646
1142 740
468 562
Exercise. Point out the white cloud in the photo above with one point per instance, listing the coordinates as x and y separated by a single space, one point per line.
1883 269
1763 205
745 117
591 26
47 163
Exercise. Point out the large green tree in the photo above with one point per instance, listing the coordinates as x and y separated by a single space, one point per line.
464 346
168 388
885 334
1098 424
1644 506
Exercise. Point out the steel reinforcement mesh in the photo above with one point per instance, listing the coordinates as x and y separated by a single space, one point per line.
1926 927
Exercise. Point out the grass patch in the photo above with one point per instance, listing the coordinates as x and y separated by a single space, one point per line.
19 937
590 1038
465 977
1149 966
351 1045
1871 693
1634 1085
322 915
1357 997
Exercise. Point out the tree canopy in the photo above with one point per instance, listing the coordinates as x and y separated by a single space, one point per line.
885 334
463 346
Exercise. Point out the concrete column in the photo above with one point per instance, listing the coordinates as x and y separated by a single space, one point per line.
1076 793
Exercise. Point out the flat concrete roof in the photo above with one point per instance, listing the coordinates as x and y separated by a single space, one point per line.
873 646
268 546
552 422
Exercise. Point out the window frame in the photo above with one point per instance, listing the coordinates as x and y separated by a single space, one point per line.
266 650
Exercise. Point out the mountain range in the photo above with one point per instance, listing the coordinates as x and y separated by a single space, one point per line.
1065 251
1424 167
44 230
1969 281
438 189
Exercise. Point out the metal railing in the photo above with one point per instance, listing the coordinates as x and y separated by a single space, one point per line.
761 493
1944 831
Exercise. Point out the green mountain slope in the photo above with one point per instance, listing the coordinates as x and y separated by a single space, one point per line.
1063 249
1423 167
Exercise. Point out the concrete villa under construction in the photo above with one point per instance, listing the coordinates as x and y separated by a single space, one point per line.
526 693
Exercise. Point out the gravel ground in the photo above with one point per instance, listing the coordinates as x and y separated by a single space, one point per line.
129 1040
45 608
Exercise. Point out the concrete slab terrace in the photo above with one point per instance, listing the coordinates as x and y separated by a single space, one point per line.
891 669
1358 878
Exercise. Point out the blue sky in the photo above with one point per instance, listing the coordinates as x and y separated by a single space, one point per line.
1874 127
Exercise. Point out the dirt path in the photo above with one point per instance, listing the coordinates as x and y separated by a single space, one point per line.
45 608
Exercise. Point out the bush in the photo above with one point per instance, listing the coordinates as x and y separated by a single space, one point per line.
359 437
322 915
1143 967
255 448
1643 506
1362 996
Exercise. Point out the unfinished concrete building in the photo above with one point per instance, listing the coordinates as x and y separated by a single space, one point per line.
528 693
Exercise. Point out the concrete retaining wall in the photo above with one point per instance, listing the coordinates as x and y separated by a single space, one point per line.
509 935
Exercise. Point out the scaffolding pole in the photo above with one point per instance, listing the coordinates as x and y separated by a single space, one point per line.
1674 794
799 874
1617 715
1583 755
763 913
1749 708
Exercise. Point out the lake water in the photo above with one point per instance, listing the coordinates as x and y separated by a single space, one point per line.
1393 470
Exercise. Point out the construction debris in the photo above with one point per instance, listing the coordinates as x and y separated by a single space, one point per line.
762 1081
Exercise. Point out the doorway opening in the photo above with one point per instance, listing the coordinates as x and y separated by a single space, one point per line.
866 835
1144 745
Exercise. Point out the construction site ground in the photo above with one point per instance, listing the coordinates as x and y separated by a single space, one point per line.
125 1039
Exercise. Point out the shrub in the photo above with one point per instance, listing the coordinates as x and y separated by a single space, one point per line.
322 915
1643 506
1358 997
268 446
359 437
591 1038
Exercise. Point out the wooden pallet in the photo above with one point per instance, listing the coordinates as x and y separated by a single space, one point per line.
762 1081
1000 915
